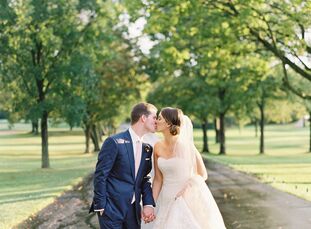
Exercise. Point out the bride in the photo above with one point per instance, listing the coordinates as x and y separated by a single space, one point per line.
183 199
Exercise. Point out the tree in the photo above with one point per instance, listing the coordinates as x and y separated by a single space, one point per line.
194 40
299 84
112 80
265 90
281 27
42 38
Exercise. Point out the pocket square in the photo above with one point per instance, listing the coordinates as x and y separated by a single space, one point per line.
147 159
122 141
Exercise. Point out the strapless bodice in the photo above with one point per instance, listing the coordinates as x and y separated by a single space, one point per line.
174 170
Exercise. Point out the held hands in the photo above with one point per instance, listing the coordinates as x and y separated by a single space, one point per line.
148 214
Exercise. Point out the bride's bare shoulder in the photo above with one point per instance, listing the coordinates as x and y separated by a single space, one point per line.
158 146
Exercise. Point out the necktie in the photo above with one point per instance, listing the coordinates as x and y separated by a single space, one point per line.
137 157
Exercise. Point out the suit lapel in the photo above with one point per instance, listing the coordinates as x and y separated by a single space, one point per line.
130 152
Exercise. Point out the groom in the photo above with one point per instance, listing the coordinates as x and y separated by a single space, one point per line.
121 175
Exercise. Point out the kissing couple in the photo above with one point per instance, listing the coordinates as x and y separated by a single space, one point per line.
178 196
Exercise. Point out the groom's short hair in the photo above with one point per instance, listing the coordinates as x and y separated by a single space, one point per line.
141 109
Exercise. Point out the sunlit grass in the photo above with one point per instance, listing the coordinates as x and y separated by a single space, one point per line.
279 140
25 188
286 164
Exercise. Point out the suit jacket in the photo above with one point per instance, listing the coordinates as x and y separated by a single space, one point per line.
114 179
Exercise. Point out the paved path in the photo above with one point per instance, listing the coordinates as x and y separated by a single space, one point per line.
244 202
248 204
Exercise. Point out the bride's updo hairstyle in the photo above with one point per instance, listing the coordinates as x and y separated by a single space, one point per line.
173 117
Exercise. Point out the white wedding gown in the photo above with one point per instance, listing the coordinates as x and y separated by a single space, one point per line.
195 209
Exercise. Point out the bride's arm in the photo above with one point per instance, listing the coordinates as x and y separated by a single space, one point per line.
158 179
201 170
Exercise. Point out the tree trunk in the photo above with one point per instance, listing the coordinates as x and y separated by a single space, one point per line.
100 132
205 137
45 161
35 127
256 128
44 140
262 126
87 133
222 134
216 128
42 87
95 138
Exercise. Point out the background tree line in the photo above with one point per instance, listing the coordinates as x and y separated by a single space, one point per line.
75 61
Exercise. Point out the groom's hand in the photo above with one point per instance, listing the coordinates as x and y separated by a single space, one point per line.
148 214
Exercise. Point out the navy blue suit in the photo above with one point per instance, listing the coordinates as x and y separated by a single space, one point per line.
115 182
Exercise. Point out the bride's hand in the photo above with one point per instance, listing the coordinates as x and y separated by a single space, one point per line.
147 214
183 190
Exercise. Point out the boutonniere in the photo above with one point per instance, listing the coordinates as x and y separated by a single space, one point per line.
147 148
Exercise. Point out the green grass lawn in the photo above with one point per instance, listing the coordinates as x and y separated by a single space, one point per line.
25 188
286 165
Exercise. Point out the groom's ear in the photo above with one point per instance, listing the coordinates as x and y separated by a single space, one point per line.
143 118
